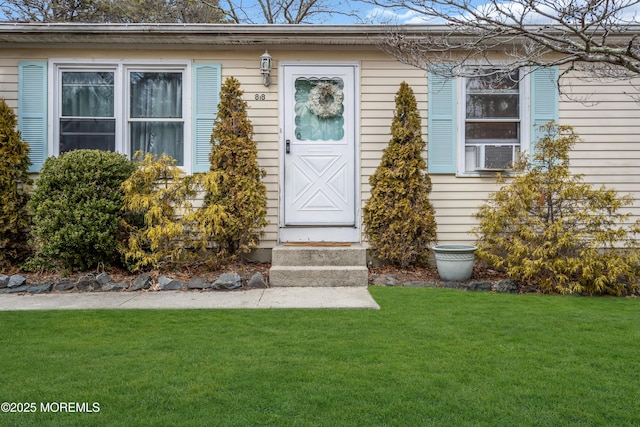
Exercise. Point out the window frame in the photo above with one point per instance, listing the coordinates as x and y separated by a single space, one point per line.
122 70
461 121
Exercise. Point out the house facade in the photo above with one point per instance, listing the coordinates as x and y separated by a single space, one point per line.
156 88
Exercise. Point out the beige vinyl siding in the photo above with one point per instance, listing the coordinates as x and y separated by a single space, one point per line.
607 118
610 128
9 80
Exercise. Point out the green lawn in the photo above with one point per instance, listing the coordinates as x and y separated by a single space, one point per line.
428 357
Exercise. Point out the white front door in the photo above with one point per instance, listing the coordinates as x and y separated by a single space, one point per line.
319 196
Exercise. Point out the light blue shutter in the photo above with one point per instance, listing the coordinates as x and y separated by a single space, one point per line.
206 96
32 110
441 119
544 100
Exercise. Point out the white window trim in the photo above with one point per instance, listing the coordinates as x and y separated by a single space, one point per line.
525 114
121 69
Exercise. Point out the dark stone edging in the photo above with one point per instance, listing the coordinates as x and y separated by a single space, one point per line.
102 283
502 285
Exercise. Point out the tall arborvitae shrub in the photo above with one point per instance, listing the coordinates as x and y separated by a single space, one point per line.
399 220
14 162
548 228
235 204
77 209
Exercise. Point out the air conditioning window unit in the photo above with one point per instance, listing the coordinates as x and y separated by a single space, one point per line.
495 157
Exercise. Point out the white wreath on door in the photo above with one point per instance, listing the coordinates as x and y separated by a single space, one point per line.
325 100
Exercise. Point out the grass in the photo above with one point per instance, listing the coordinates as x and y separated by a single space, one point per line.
428 357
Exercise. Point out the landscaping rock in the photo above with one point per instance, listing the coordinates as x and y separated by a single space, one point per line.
112 286
228 281
143 281
454 285
378 279
103 279
4 281
88 284
64 285
15 289
420 285
16 281
509 286
167 284
257 281
40 289
199 283
391 280
480 286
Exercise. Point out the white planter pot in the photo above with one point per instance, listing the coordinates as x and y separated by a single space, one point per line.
454 262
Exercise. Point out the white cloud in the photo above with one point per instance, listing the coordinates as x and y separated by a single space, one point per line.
516 8
381 15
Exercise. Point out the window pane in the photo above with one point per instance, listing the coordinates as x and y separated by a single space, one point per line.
496 132
87 94
497 82
319 109
155 95
158 138
493 106
97 134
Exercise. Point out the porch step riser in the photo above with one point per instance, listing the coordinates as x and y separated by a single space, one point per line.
321 256
318 276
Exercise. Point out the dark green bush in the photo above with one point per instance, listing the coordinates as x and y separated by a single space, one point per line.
14 162
77 209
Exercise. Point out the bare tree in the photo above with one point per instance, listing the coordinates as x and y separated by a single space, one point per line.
45 10
113 11
287 11
598 38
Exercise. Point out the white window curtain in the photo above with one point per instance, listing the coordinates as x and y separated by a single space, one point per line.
87 113
155 114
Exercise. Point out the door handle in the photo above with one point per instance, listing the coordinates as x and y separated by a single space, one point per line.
287 146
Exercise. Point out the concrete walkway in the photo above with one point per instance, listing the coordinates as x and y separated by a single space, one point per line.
286 297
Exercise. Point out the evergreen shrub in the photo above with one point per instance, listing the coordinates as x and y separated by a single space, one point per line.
546 227
77 209
235 202
14 182
157 203
399 220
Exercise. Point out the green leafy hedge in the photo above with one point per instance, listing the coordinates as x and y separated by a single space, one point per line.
77 209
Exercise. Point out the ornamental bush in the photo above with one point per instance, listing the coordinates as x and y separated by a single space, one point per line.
399 220
548 228
233 217
158 210
77 209
14 180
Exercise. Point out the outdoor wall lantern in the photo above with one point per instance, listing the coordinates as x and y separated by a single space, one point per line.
265 68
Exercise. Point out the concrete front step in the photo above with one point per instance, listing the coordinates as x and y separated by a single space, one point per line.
317 276
354 255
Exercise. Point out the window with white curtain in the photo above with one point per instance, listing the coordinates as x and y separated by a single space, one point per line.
87 116
121 107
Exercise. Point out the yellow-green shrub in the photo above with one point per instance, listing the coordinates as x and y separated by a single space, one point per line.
233 217
157 203
547 227
14 162
399 220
